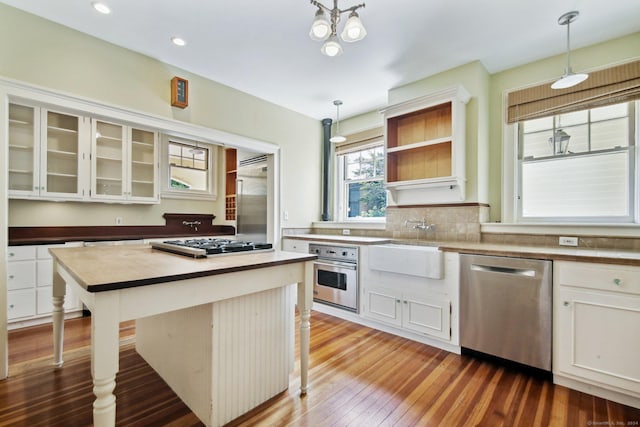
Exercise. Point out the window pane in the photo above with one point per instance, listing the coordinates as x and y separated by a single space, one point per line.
610 112
545 123
575 118
588 186
610 133
579 141
366 199
537 144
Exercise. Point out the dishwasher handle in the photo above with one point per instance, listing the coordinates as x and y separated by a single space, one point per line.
504 270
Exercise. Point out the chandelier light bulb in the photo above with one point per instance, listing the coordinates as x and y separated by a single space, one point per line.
331 47
353 30
321 27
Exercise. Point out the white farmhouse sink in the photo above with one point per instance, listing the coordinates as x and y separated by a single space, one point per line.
422 261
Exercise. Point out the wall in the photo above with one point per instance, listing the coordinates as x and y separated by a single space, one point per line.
42 53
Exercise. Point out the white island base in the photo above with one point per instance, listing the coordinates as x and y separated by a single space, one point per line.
225 358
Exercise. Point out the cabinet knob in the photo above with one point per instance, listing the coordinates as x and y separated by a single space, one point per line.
398 301
11 305
617 282
11 276
406 302
566 303
11 254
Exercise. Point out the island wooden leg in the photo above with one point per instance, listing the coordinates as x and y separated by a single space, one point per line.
59 290
305 299
104 357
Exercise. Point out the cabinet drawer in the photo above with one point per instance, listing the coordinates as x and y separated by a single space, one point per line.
603 277
21 275
19 253
21 303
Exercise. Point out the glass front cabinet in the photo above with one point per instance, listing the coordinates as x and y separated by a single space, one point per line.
123 162
62 156
45 153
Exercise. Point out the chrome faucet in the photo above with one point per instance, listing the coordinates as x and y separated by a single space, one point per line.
420 225
193 224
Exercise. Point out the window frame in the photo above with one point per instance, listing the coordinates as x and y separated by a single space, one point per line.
512 188
212 161
341 185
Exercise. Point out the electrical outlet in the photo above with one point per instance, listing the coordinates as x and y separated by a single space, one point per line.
118 220
346 232
568 241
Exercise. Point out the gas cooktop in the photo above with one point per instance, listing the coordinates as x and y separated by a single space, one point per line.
201 248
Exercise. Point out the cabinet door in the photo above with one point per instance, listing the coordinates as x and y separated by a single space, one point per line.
108 163
24 124
384 305
21 274
427 315
61 155
597 337
142 170
21 303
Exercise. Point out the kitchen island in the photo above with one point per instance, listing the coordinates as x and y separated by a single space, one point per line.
136 282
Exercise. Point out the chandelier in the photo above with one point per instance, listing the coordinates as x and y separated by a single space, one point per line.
324 28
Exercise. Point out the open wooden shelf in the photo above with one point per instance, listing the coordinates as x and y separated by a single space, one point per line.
231 171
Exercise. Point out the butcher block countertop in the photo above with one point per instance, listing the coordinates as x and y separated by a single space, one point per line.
605 256
105 268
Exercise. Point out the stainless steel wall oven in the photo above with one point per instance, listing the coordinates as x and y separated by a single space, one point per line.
336 276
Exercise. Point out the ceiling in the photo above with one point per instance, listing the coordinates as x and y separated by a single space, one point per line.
262 47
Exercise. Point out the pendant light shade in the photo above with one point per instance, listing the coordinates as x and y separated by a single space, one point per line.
353 30
331 47
321 27
569 79
337 137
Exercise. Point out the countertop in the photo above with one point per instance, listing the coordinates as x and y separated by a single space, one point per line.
105 268
605 256
335 238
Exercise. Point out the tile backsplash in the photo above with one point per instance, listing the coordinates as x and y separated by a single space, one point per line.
461 223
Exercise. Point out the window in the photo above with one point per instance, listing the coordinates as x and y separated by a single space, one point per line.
578 166
361 189
187 172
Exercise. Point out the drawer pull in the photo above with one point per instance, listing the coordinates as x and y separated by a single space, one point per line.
11 276
11 305
617 282
566 303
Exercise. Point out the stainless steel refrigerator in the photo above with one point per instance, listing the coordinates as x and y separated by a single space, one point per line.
251 198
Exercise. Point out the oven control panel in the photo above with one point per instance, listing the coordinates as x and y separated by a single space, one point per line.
341 253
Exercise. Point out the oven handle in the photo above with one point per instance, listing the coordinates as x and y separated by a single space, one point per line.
348 265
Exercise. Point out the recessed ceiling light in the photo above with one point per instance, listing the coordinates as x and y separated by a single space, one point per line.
101 7
178 41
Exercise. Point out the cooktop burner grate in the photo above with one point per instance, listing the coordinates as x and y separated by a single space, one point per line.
200 248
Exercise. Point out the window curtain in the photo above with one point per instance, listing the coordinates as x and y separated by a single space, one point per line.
361 140
605 87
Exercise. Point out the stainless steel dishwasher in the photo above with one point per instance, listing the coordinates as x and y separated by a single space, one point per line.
505 308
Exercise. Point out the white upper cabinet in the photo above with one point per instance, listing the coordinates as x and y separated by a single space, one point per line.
123 163
45 153
61 156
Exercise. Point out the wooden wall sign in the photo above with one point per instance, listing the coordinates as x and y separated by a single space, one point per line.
179 92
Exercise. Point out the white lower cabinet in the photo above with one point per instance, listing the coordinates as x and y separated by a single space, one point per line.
423 306
30 285
597 329
422 313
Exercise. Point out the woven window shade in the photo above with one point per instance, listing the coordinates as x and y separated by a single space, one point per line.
610 86
361 140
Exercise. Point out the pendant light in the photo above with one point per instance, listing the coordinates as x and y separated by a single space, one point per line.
337 137
569 79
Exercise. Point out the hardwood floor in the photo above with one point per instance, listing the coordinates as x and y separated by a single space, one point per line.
358 377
